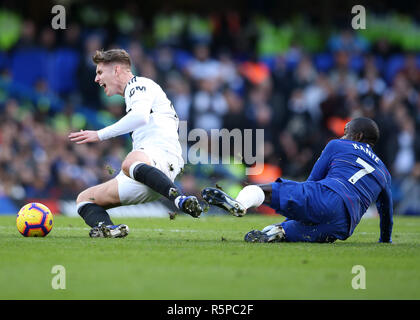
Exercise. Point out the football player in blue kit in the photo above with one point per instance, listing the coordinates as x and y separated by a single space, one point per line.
346 179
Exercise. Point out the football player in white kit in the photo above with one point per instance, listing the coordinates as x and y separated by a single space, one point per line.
150 168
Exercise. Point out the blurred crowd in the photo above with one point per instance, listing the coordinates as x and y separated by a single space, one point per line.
220 71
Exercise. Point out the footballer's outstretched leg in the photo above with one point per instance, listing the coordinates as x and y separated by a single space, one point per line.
249 196
158 181
219 198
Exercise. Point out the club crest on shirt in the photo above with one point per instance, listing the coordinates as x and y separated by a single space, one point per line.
133 90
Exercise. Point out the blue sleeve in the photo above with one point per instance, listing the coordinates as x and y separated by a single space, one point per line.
320 169
385 210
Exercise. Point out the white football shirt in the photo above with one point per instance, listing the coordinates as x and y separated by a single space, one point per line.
150 117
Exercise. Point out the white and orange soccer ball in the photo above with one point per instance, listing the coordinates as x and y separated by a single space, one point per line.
34 220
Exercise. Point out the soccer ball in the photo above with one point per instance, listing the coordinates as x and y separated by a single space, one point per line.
34 220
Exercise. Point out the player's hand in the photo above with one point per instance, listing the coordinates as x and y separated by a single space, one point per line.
84 136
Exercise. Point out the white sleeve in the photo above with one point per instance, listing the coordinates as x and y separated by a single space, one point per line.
131 121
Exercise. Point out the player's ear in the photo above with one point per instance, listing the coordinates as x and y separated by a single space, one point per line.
358 137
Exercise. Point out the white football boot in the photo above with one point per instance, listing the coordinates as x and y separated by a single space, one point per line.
110 231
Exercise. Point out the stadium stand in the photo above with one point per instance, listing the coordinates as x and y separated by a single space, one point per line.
221 71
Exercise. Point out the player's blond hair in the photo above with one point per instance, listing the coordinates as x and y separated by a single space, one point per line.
112 55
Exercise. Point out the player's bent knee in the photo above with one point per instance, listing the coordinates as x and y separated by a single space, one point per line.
125 167
104 195
88 195
133 157
84 196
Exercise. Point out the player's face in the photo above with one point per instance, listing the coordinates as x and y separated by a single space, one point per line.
106 78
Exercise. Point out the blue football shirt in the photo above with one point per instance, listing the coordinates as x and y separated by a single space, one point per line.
357 174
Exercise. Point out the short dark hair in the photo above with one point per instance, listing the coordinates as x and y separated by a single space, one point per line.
365 126
113 55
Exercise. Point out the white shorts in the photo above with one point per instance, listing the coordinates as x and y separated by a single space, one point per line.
134 192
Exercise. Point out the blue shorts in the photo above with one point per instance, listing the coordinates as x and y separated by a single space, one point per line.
314 212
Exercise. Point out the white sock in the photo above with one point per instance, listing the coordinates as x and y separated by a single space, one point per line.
176 201
131 170
251 196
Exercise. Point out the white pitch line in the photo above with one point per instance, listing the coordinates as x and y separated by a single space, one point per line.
186 230
134 229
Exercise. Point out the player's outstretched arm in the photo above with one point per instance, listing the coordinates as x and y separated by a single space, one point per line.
84 136
131 121
385 210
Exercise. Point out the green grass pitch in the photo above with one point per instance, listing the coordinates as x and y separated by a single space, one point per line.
206 259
